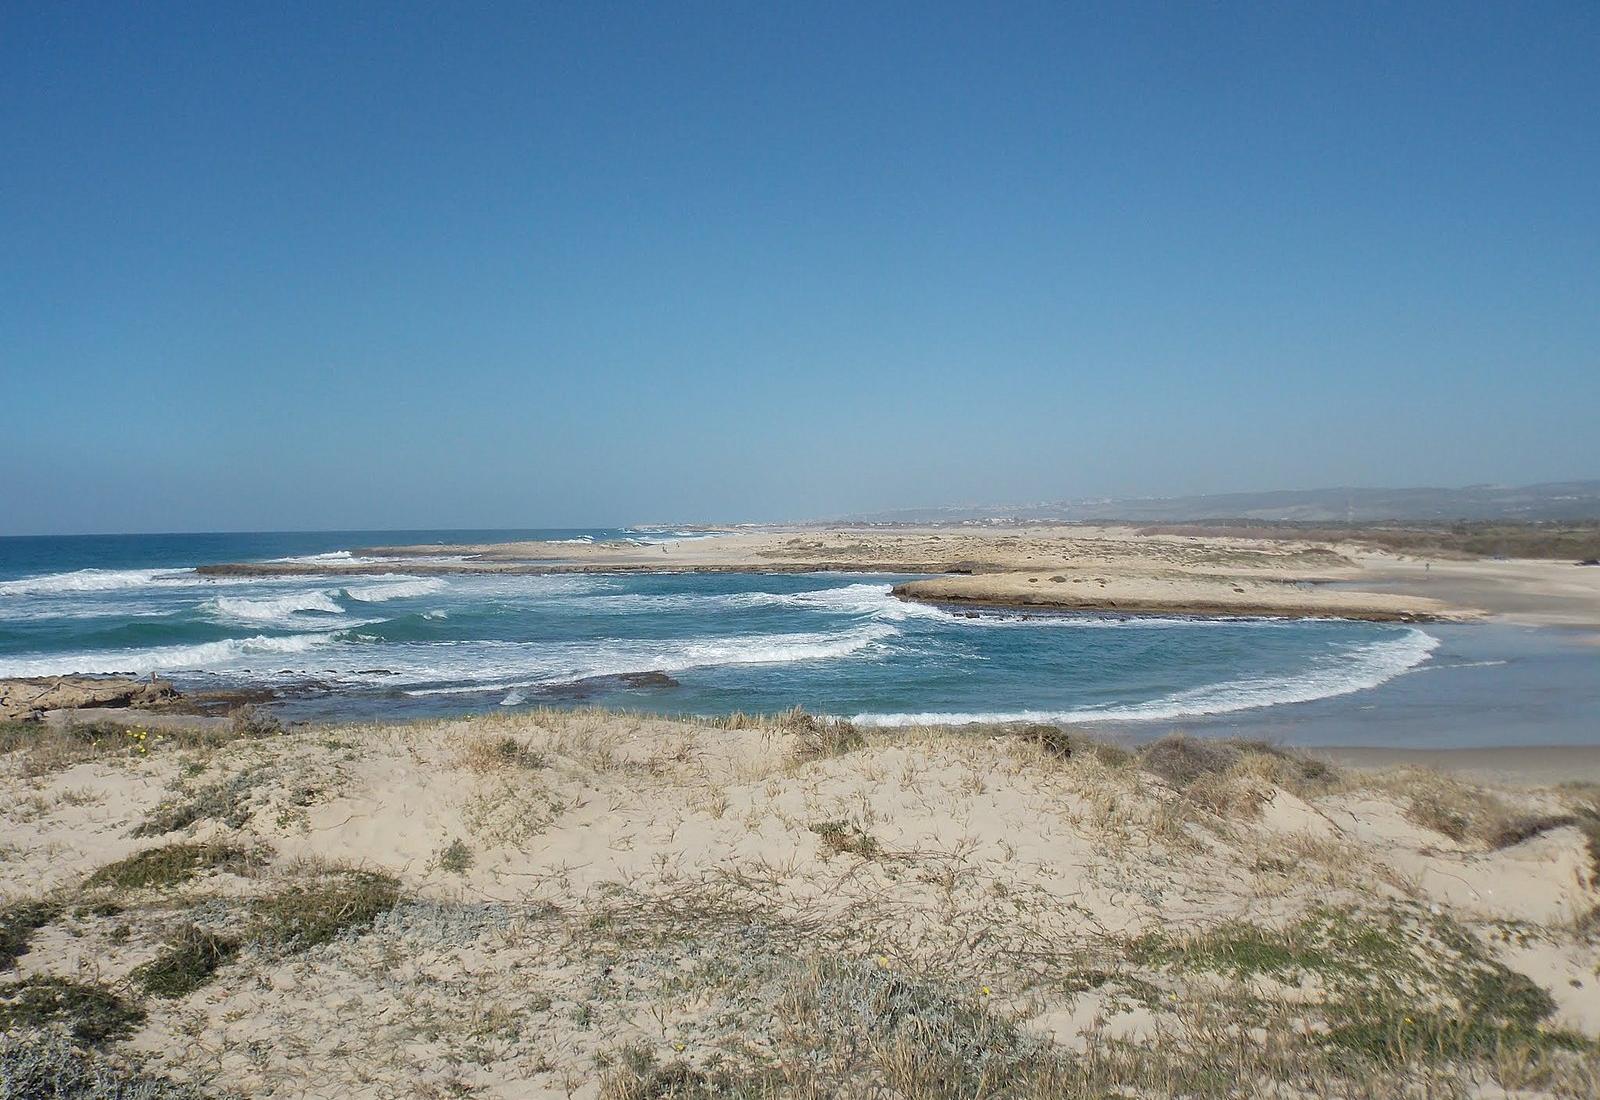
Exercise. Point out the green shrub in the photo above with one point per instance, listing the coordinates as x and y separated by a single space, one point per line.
187 962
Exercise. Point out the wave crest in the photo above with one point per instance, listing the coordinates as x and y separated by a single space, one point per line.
395 590
1364 668
203 657
96 580
275 609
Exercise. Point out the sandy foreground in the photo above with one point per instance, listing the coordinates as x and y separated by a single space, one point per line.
578 903
1079 568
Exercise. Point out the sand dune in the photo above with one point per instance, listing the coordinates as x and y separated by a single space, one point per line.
583 903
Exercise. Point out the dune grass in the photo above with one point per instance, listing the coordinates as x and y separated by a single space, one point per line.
172 865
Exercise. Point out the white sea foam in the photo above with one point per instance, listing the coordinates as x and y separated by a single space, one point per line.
657 537
333 557
515 586
1359 669
872 600
395 590
97 580
25 610
204 657
514 665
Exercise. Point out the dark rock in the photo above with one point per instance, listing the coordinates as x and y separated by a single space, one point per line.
594 685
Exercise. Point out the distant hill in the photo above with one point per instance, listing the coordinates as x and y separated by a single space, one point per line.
1561 500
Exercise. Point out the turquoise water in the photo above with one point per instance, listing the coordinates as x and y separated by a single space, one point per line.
397 644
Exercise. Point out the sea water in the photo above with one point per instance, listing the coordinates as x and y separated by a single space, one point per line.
394 644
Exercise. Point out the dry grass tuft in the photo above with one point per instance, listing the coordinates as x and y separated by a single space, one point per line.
1463 812
844 836
819 738
1179 760
495 754
1302 775
1051 740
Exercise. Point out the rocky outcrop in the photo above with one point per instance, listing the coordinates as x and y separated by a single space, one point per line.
653 680
30 698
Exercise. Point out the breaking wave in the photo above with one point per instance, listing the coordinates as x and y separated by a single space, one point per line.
872 600
536 665
204 657
275 609
1360 669
97 580
396 590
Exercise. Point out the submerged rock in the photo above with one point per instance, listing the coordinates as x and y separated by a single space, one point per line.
592 685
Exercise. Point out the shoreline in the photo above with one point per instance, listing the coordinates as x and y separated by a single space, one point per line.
1117 569
1198 609
1512 765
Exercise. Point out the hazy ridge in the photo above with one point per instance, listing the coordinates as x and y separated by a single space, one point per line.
1559 500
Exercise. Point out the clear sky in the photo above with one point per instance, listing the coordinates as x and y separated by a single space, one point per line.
392 265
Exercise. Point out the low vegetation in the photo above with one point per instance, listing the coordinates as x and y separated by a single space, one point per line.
492 754
172 865
19 920
845 836
1577 540
321 903
90 1014
226 801
39 1064
819 738
455 857
187 962
808 910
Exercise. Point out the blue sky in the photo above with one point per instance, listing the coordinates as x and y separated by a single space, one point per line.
391 265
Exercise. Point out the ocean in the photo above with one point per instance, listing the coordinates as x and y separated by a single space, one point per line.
394 645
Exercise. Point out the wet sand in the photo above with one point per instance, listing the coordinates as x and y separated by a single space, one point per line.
1537 593
1520 766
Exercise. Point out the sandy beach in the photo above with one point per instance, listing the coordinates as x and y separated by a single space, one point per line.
1538 593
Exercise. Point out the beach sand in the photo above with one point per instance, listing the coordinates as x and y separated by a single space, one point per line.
1537 593
591 904
1519 766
